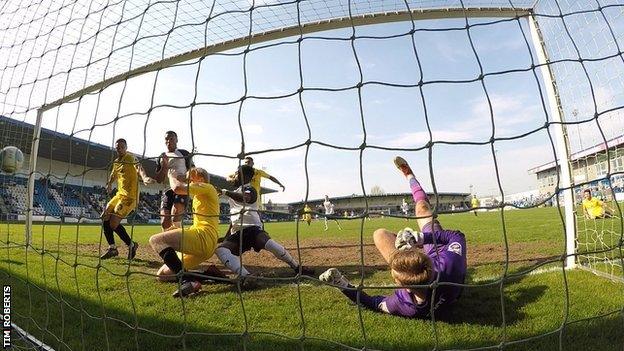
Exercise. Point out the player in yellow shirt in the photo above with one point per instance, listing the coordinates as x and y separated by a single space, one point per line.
307 214
186 248
125 171
594 208
474 203
257 177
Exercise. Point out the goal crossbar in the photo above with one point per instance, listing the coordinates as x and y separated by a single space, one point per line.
296 30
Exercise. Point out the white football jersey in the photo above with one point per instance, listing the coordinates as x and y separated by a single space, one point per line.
405 207
177 166
329 207
250 217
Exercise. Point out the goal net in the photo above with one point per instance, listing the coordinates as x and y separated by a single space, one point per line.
473 92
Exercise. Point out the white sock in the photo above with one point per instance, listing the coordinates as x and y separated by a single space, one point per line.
230 261
112 246
280 252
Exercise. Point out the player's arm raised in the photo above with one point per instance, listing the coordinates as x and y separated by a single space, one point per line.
180 188
273 179
141 171
161 168
248 195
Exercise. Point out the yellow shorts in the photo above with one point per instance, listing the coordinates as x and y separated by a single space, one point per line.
198 245
307 218
120 206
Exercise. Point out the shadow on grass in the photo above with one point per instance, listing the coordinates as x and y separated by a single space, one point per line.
67 322
18 263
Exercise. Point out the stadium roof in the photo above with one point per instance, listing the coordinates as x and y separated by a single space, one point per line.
357 197
66 148
615 142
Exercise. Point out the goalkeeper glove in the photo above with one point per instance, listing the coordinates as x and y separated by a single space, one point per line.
334 277
408 238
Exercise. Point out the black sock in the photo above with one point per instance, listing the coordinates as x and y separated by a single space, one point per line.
123 235
171 259
108 233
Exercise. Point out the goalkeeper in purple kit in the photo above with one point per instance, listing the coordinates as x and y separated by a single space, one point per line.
429 265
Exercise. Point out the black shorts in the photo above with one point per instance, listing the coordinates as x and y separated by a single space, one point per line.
253 237
169 198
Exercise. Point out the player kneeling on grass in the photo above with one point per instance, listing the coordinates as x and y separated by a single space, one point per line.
434 255
246 222
192 245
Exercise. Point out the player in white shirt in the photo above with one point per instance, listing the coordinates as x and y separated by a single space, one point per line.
172 165
405 209
329 212
246 222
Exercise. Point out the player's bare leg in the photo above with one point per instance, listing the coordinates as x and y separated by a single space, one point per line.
424 215
166 244
384 241
177 214
338 223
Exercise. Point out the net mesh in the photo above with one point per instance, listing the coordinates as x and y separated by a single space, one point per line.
51 49
586 43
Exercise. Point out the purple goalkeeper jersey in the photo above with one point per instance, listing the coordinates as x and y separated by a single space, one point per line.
448 255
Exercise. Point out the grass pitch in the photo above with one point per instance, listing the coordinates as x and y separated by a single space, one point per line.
519 297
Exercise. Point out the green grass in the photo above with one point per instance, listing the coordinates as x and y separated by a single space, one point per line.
64 296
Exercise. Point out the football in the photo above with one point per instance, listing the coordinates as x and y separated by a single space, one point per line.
11 159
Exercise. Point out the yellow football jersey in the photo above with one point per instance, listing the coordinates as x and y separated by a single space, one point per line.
474 202
255 181
205 205
124 169
594 207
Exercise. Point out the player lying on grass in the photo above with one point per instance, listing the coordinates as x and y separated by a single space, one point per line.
594 208
415 258
186 248
245 221
125 171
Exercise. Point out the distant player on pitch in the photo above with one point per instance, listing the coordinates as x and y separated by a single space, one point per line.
192 245
246 222
405 209
124 171
172 165
415 258
594 208
329 212
307 214
474 203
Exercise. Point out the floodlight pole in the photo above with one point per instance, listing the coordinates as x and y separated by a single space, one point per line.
562 151
32 168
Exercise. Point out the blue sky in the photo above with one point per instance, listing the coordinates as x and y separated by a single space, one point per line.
393 116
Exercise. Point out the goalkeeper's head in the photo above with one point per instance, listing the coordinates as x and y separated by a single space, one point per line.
411 267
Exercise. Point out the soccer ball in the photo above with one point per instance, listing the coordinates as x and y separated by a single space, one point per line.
11 159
